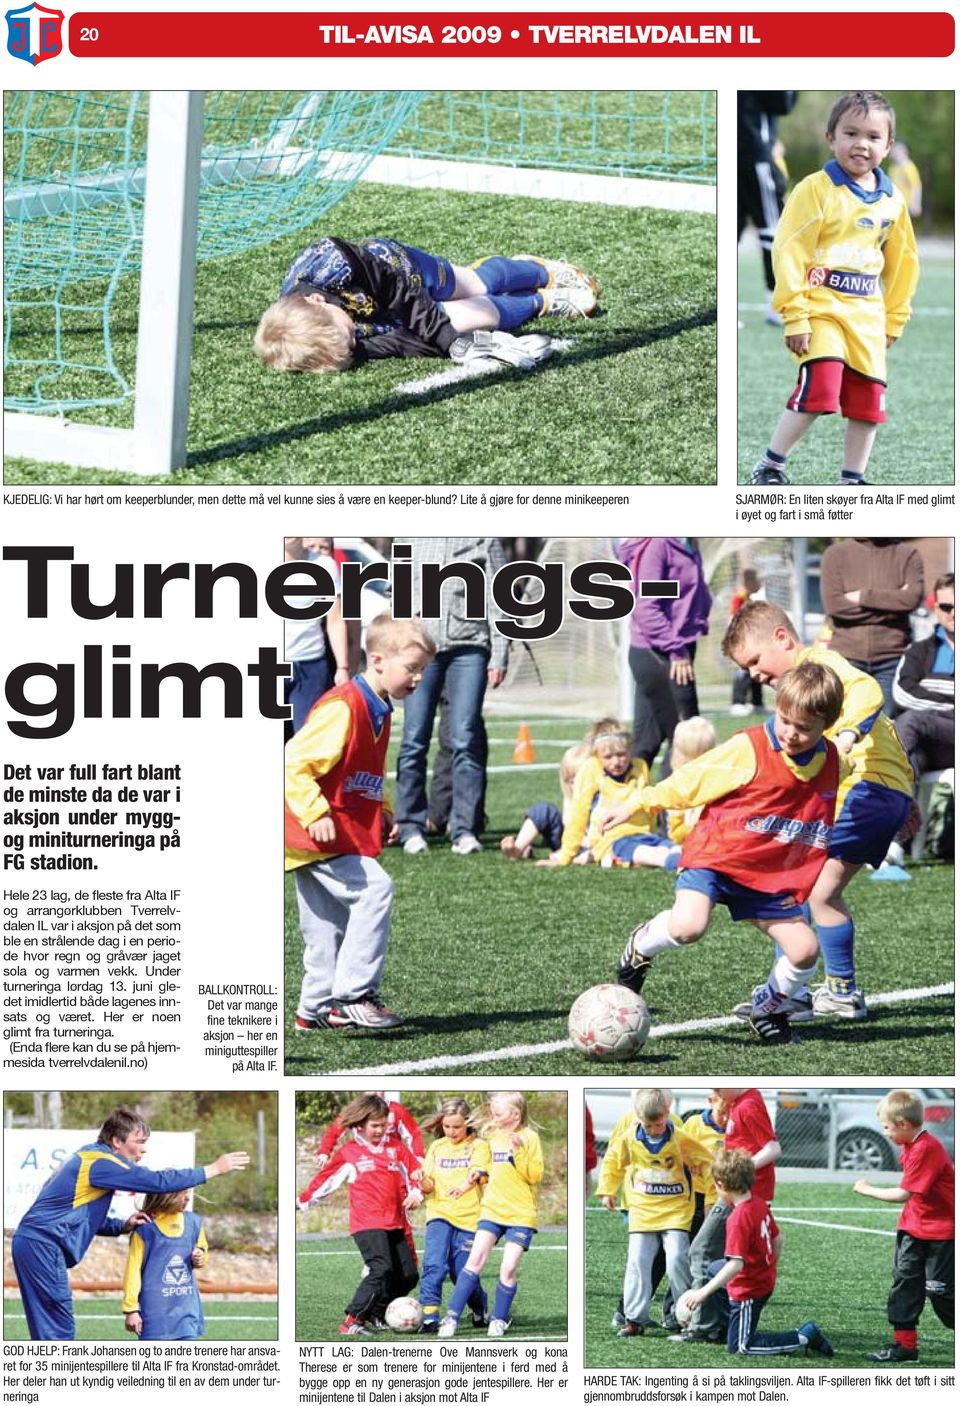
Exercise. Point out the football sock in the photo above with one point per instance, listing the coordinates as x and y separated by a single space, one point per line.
787 978
906 1337
463 1290
506 1293
657 937
672 862
836 944
514 309
774 460
502 275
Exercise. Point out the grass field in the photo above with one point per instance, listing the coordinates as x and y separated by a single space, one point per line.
914 446
835 1268
100 1320
638 380
486 958
328 1269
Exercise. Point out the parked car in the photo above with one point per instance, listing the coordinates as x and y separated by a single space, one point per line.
803 1126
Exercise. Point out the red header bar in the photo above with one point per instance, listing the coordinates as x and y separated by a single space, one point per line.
94 34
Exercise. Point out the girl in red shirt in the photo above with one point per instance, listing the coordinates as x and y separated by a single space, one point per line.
381 1176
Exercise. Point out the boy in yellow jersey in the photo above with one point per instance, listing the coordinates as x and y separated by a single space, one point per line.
508 1211
769 797
455 1170
846 268
604 781
873 801
651 1157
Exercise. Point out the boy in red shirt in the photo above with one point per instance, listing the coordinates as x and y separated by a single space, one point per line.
745 1279
334 824
923 1259
747 1129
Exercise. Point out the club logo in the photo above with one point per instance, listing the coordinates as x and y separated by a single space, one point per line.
34 33
816 277
175 1271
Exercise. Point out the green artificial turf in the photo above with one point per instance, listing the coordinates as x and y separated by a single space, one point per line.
631 401
836 1272
329 1266
100 1320
916 443
486 956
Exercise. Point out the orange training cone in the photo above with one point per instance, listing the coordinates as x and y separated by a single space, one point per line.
523 752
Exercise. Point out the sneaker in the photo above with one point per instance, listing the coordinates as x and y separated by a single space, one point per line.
827 1002
670 1325
773 1029
567 302
740 710
895 1353
631 1330
308 1022
564 275
816 1340
797 1008
767 475
480 1320
634 968
853 482
467 844
416 844
352 1328
497 1328
699 1335
378 1325
619 1319
369 1013
448 1327
429 1327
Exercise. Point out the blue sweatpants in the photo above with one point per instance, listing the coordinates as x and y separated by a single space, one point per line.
44 1289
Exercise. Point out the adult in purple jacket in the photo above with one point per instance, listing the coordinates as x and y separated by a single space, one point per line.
663 637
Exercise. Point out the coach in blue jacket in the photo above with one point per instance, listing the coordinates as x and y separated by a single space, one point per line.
72 1208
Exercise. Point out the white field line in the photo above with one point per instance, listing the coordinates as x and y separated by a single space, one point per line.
847 1210
473 177
834 1225
686 1027
355 1253
502 770
934 311
110 1310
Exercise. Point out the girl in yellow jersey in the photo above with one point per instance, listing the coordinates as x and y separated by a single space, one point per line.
455 1170
846 268
508 1210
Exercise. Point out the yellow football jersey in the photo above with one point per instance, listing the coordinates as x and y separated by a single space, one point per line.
594 792
510 1196
846 268
448 1164
878 756
703 1130
656 1174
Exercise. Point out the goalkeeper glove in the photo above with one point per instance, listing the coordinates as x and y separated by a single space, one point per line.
472 347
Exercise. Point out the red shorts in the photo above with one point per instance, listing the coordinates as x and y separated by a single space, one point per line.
825 386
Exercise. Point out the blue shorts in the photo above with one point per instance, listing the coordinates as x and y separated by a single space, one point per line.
869 819
548 821
521 1235
435 272
626 847
744 904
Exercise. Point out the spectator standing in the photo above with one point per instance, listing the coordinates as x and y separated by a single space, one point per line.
870 586
663 637
471 656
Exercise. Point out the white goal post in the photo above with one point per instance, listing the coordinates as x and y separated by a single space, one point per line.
158 441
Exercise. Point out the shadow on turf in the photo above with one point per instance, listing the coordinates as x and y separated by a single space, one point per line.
399 405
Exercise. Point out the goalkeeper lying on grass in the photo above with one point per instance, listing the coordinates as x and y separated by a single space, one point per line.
345 303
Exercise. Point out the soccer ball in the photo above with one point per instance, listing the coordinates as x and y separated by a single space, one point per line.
609 1022
404 1315
682 1311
